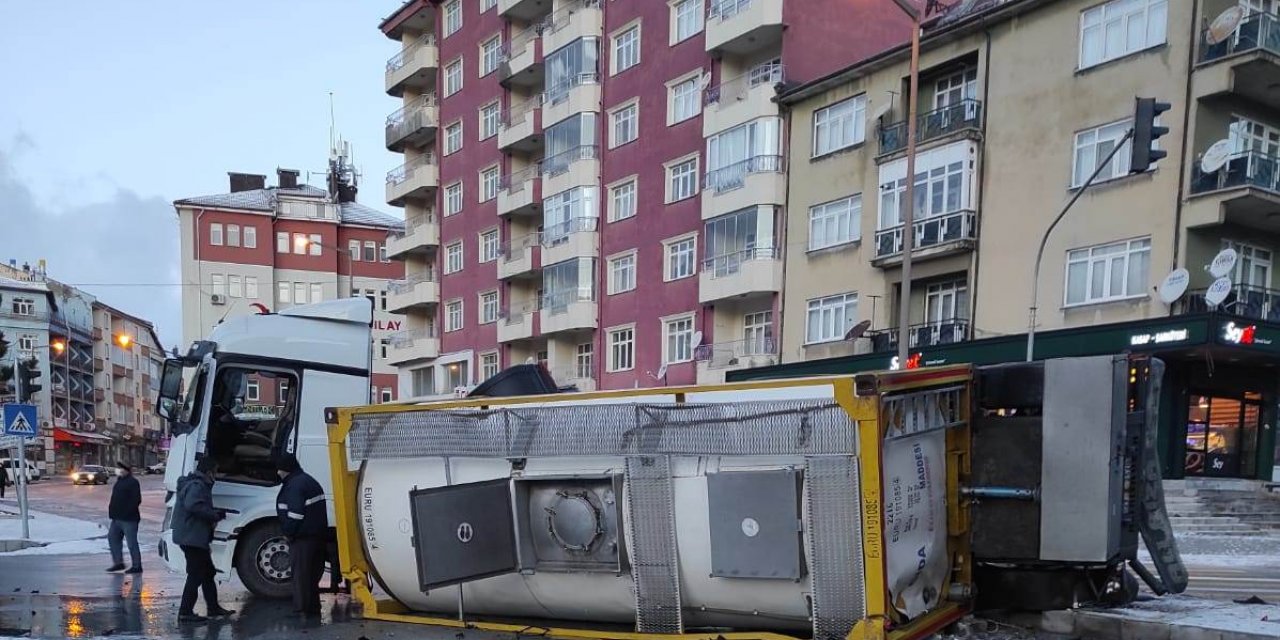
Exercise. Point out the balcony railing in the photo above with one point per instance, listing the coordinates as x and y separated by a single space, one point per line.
402 172
517 314
514 250
728 264
1259 31
514 182
961 116
930 231
559 92
516 114
413 224
560 19
721 355
737 88
414 115
397 62
1244 300
559 163
559 233
1244 169
403 339
556 302
734 176
515 46
34 316
397 287
725 9
928 334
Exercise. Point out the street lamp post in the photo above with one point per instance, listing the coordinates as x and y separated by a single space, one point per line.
908 212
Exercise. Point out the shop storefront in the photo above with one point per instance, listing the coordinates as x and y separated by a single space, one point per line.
74 449
1219 400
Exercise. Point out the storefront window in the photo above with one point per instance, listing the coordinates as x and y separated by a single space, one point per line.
1222 435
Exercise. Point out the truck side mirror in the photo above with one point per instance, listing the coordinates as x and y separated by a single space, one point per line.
170 389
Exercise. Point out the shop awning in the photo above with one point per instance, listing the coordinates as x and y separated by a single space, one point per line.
67 435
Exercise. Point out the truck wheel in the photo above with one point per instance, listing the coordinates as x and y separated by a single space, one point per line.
263 562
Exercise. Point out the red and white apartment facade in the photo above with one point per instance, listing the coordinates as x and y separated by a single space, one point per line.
599 185
258 247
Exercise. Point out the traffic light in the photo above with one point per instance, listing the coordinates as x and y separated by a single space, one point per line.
1145 134
28 373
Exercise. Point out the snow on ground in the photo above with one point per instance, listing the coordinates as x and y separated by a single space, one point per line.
48 528
1197 612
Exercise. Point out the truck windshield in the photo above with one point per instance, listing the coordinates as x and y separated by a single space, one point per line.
251 414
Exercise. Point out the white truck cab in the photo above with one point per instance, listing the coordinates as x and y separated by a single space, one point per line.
255 389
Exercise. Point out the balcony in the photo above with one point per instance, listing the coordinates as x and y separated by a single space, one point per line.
740 274
1244 191
520 193
414 67
741 99
521 126
717 358
522 59
935 236
413 345
1245 64
1247 301
962 119
517 323
573 377
412 293
573 238
759 180
568 310
579 94
421 235
413 124
416 179
578 19
743 26
519 257
524 10
928 334
576 167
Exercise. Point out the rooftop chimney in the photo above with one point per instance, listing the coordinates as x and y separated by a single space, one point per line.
288 178
246 181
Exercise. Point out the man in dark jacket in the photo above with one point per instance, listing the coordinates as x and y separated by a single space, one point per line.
194 519
305 522
4 480
123 511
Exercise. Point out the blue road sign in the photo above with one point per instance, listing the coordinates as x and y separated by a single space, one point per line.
20 420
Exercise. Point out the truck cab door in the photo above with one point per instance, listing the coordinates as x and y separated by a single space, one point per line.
188 436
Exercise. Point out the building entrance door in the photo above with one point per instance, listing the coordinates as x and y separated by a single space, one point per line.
1222 435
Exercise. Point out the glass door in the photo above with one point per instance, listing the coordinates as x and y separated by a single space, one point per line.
1222 435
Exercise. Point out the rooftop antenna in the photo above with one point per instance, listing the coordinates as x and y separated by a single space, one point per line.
333 125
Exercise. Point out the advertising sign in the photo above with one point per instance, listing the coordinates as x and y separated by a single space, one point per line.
916 520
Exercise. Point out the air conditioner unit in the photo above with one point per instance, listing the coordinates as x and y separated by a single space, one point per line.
218 299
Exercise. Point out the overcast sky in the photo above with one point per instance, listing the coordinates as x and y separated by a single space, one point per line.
110 111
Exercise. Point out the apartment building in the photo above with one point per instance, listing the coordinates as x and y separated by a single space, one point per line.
127 359
598 185
256 249
1019 102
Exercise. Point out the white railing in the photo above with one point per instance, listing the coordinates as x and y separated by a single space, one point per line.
720 355
725 9
557 302
560 162
404 171
734 176
397 62
514 182
559 233
406 339
515 249
559 92
728 264
397 287
770 73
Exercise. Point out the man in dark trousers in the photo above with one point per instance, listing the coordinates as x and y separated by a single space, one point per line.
304 520
194 519
4 480
123 511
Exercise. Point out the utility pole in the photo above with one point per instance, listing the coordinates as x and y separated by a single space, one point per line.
21 472
908 211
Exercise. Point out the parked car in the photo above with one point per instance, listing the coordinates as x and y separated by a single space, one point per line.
91 474
11 466
156 469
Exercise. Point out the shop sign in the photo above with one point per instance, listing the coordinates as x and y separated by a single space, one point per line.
1242 334
915 361
1159 337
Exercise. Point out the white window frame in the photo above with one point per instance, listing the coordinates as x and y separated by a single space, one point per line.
1104 256
317 292
250 237
218 283
489 303
622 272
841 303
827 215
490 58
630 48
387 395
453 77
1102 16
300 243
486 5
686 13
453 199
251 287
235 286
252 392
489 365
353 250
677 339
490 119
623 196
686 244
684 97
453 257
843 124
624 123
681 172
489 241
453 137
453 319
299 293
314 246
370 251
284 292
282 242
1089 140
233 235
490 179
622 348
452 13
215 234
584 360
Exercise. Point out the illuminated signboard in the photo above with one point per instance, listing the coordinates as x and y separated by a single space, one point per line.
1242 334
915 361
1159 337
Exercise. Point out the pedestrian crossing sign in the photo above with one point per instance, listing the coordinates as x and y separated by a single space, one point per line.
20 420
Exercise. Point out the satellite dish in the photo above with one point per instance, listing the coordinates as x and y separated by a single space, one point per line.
1217 292
662 372
1215 156
1223 263
857 330
1174 285
697 340
1224 26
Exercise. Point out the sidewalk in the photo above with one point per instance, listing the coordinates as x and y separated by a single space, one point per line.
51 534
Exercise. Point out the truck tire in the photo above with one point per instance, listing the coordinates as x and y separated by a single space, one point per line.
262 561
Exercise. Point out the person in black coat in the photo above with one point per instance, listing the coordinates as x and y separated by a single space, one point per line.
4 480
123 511
194 519
304 520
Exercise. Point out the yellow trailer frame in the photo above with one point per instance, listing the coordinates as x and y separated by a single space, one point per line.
862 396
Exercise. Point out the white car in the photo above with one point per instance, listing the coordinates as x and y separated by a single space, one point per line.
10 466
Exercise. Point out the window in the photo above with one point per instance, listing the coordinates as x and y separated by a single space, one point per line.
955 88
489 179
567 283
313 244
282 242
1253 266
250 237
488 365
218 283
752 147
353 249
215 234
681 258
1108 272
453 258
684 100
486 5
757 333
490 55
453 77
488 307
687 16
836 222
944 304
423 381
622 274
625 126
251 391
679 343
452 17
235 286
489 246
317 292
489 119
622 349
246 427
942 187
299 293
453 138
1121 27
682 179
828 319
457 375
570 66
24 306
453 316
840 125
736 238
622 200
284 292
370 251
626 49
1092 147
568 212
300 244
251 287
453 199
387 395
233 235
382 253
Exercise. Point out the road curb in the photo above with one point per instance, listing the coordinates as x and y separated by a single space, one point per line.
1139 624
18 545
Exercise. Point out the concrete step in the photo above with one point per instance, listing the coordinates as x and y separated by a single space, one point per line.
1229 534
1207 529
1183 521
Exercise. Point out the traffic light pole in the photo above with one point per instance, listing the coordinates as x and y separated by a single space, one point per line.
21 472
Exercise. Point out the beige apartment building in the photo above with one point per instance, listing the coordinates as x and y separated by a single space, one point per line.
1019 101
